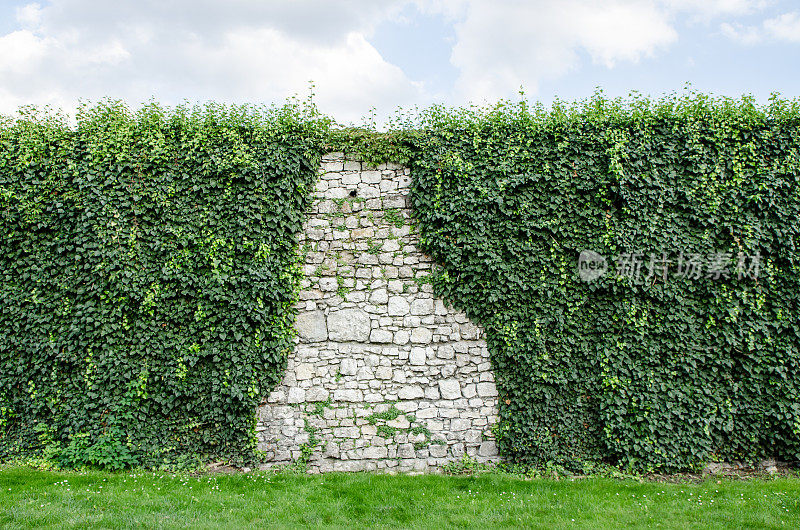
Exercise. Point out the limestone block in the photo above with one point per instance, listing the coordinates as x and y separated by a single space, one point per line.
316 394
405 450
351 179
379 296
487 390
410 392
348 325
380 336
398 306
311 326
348 367
487 449
422 306
371 177
418 356
383 372
437 451
450 389
296 395
303 371
375 452
328 284
401 337
347 394
421 335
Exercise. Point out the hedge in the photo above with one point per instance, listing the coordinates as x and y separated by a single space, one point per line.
148 272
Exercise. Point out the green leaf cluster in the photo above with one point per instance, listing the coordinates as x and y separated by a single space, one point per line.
148 275
648 375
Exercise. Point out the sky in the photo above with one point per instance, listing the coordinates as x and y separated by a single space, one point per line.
372 56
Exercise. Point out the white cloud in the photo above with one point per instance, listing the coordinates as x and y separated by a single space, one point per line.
507 43
237 51
20 51
29 16
745 34
785 27
266 50
707 9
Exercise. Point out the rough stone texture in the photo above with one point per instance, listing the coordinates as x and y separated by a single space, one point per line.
311 326
384 375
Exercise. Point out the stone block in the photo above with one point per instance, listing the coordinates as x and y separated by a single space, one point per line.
303 371
383 372
348 325
347 394
437 451
450 389
487 390
410 392
421 336
348 367
379 296
418 356
398 306
406 450
380 336
316 394
488 449
311 326
401 337
375 452
296 395
371 177
422 306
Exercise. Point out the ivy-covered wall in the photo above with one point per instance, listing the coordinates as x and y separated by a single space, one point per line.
679 342
633 264
148 272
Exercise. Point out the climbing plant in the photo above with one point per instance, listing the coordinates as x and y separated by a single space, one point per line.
633 263
148 272
682 342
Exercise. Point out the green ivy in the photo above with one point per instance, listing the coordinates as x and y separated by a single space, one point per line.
656 375
150 268
148 275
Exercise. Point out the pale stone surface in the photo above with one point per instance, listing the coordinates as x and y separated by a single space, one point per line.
398 306
450 389
296 395
349 325
488 449
372 340
418 356
311 326
303 371
410 392
380 336
421 336
487 390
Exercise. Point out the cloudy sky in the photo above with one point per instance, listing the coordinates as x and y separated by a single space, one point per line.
381 54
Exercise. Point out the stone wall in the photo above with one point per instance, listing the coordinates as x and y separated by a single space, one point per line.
384 375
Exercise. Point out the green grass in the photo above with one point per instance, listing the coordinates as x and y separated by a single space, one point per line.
32 498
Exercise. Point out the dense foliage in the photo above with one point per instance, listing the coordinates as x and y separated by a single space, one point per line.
148 271
656 364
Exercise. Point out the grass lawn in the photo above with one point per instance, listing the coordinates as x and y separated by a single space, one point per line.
32 498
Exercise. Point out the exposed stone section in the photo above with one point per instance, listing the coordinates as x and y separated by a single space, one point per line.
385 376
